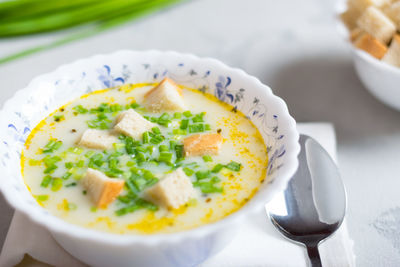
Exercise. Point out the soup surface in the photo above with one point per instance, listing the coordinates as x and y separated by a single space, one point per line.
53 163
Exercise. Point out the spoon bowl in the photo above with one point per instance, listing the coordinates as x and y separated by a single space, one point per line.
313 205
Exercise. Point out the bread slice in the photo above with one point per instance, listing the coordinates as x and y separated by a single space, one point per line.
371 45
393 12
132 124
165 96
376 23
101 189
202 144
392 56
97 139
172 191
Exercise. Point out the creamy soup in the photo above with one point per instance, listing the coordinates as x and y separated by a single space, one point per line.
54 162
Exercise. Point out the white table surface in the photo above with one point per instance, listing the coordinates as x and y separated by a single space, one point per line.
291 46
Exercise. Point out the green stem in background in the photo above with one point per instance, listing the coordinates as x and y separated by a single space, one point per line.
146 7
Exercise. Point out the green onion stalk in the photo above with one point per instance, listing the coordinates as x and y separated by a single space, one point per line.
27 17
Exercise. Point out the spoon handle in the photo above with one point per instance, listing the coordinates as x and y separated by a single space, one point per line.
313 255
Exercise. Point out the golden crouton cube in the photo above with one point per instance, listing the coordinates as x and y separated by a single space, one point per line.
371 45
101 189
392 56
393 12
202 144
363 4
165 96
355 34
132 124
97 139
350 17
376 23
172 191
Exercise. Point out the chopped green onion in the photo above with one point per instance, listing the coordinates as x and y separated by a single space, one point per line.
179 151
207 158
156 140
187 114
165 157
52 146
50 169
233 166
196 128
89 154
46 181
163 148
118 146
66 176
184 124
203 174
207 187
177 115
80 163
156 130
80 109
179 132
217 168
188 171
75 150
146 137
56 184
172 145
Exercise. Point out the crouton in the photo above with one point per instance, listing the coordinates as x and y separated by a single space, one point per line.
355 34
371 45
376 23
202 144
363 4
132 124
350 17
101 189
165 96
393 54
393 12
97 139
172 191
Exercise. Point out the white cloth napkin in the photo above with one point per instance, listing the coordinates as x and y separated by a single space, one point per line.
258 243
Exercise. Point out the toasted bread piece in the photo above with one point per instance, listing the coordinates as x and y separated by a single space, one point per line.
132 124
393 12
392 56
376 23
350 17
97 139
202 144
355 34
172 191
364 4
371 45
101 189
165 96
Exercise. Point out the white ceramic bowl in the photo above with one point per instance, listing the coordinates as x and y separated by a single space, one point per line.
381 79
47 92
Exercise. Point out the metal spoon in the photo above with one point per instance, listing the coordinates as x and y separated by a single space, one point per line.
314 203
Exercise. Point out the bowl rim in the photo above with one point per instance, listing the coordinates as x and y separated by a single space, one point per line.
342 29
61 227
